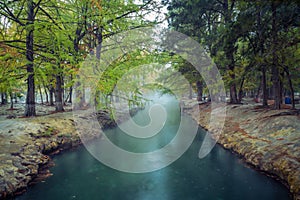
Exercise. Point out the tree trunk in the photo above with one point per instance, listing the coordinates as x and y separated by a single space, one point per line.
62 89
240 97
275 70
264 87
281 78
98 57
47 97
70 94
199 90
11 100
99 46
30 97
59 94
51 91
233 95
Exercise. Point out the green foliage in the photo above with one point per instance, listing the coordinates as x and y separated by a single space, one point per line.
64 32
239 37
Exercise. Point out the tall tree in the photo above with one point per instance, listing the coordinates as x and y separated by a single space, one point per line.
30 96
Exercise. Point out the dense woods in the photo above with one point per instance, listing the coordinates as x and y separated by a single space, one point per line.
144 84
255 45
44 42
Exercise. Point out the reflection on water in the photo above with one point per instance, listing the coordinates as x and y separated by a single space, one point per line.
159 140
219 176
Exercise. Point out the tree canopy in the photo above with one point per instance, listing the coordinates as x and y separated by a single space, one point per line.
254 44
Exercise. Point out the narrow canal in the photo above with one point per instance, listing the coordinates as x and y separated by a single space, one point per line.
219 176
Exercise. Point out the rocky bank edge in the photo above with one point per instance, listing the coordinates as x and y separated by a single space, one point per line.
26 143
267 139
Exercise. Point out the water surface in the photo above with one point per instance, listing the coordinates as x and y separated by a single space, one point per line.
219 176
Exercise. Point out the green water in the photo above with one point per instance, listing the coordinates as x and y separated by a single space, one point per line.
219 176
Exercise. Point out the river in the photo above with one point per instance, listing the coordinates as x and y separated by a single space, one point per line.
219 176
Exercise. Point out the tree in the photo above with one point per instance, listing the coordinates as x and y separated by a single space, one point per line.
15 11
30 97
243 36
11 76
217 21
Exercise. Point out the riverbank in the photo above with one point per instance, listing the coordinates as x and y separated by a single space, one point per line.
26 143
267 139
